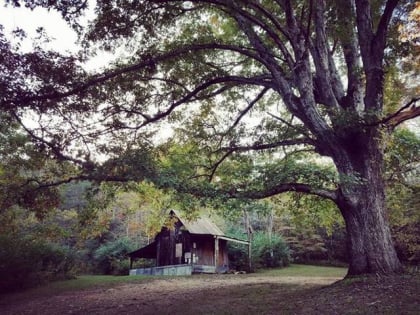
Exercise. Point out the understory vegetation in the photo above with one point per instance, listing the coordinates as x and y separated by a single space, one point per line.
27 262
95 227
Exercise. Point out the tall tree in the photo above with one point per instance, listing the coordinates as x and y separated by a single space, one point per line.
247 79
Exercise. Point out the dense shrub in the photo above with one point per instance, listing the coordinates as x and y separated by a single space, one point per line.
407 242
238 256
269 253
111 257
318 246
265 253
25 262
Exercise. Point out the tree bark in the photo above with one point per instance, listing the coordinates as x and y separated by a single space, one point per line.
361 200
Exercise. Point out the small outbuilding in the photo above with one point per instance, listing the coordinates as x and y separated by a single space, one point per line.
186 247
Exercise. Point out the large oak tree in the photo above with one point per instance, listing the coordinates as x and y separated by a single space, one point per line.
310 74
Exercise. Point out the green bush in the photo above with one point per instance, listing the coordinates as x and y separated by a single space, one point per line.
121 267
407 242
25 262
265 253
268 253
111 258
238 256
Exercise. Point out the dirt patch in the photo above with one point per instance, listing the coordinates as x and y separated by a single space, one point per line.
234 294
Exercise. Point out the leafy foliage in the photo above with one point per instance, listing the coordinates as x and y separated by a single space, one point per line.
22 167
403 202
111 257
266 252
402 158
269 253
403 194
26 262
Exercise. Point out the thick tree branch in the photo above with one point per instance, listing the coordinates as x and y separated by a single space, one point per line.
268 146
372 48
273 35
283 84
349 43
286 187
271 17
243 193
191 95
256 147
365 32
216 165
146 62
290 125
55 148
407 112
247 109
381 32
321 59
237 9
93 178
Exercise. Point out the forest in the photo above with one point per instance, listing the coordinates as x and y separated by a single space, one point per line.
296 120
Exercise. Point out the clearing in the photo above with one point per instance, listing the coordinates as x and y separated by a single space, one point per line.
294 290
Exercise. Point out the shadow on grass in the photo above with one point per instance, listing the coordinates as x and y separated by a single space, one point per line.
285 291
389 295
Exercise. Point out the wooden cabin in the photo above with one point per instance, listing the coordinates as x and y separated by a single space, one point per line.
197 246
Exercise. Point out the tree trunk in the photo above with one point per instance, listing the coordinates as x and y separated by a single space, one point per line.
362 204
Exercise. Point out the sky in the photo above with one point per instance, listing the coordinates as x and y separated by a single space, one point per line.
64 37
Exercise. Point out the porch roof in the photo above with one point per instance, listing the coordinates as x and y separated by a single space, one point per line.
148 251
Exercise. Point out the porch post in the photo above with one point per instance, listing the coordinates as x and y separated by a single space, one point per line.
157 252
216 250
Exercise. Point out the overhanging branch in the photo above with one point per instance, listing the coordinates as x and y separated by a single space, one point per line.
267 146
407 112
286 187
147 62
202 87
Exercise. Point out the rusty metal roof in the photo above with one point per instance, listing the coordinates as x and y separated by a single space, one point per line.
201 225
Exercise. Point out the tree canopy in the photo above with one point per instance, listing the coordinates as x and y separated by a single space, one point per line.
257 91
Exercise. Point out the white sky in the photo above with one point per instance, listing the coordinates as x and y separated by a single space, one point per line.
64 37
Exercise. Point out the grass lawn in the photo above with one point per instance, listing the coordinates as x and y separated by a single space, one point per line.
83 282
298 289
101 281
305 271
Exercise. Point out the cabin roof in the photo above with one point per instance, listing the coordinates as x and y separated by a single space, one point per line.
201 225
148 251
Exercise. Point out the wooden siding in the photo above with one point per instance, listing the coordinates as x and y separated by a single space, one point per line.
223 260
204 250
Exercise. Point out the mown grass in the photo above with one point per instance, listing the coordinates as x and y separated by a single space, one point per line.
397 294
305 271
84 282
89 281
